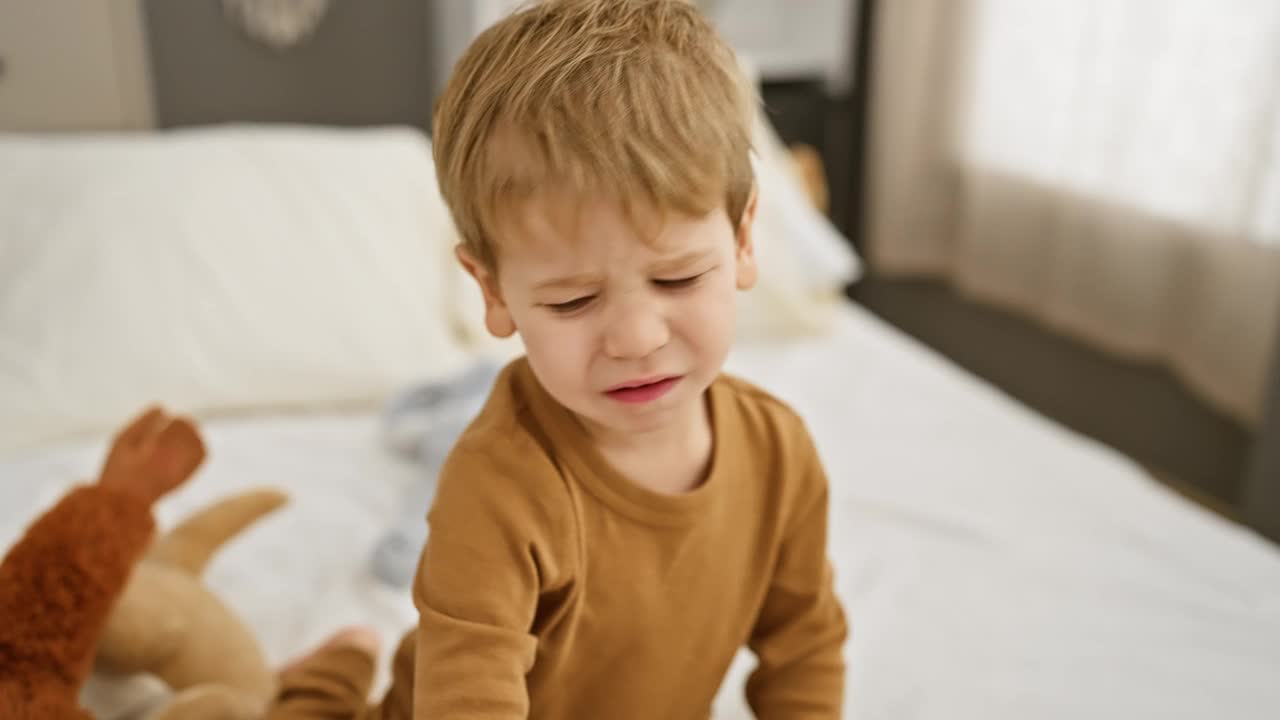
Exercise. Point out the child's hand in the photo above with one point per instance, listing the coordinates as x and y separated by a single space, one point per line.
156 453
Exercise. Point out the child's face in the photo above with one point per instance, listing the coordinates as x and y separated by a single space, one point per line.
625 333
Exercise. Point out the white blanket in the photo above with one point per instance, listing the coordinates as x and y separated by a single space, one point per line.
993 565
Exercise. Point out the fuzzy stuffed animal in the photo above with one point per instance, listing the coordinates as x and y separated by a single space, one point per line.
77 586
60 581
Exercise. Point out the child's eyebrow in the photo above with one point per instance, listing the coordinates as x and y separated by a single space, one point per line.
680 261
581 280
570 282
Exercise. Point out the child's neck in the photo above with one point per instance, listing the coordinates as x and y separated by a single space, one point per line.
671 460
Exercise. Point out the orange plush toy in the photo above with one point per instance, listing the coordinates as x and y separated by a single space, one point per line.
59 582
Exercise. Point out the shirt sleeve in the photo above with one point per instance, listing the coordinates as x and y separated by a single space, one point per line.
494 546
799 635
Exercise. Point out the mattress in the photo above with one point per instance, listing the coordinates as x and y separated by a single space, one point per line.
992 563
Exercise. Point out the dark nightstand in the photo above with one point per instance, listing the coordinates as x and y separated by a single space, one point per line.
1260 497
803 111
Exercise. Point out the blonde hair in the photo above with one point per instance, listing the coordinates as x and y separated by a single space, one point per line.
621 99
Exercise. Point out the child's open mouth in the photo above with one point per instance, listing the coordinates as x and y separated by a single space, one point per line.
642 391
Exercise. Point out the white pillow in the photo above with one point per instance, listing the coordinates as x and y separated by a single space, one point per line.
805 263
216 270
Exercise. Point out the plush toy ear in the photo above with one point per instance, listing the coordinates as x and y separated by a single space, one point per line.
193 542
154 454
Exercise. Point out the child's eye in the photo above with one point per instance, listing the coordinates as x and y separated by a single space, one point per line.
569 306
677 283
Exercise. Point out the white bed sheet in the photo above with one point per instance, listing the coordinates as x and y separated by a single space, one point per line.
993 565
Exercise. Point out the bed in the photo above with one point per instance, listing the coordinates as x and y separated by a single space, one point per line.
993 564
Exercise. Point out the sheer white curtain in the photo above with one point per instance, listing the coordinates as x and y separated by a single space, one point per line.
1111 167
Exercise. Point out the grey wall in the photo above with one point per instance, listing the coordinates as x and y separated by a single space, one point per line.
72 65
368 63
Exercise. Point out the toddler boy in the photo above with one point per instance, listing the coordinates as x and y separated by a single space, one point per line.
621 517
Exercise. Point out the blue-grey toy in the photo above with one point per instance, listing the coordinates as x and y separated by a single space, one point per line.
423 423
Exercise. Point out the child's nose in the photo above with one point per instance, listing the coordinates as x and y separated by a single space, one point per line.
635 330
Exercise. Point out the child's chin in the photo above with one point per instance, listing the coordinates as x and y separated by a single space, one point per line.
642 417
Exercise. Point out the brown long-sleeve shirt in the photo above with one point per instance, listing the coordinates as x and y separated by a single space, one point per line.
553 587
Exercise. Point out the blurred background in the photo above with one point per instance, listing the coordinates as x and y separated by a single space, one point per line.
1077 201
1057 281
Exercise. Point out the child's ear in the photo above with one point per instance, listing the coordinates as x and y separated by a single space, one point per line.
745 251
497 318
